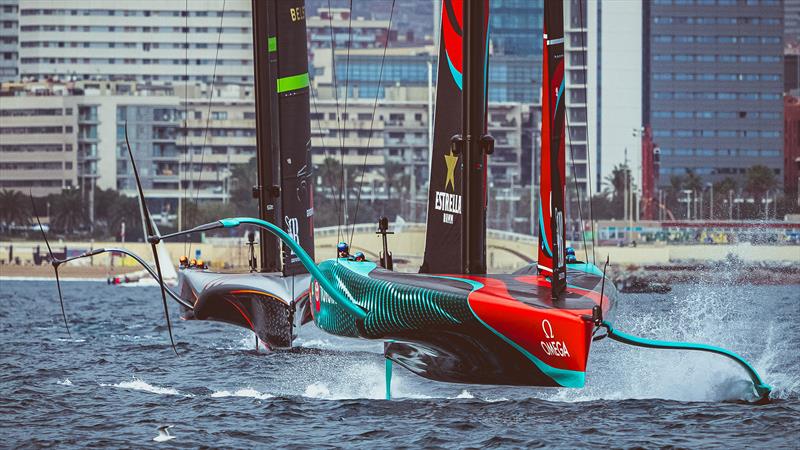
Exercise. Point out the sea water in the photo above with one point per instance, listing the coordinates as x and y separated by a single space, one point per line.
117 379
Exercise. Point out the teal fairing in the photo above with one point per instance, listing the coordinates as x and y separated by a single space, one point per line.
391 307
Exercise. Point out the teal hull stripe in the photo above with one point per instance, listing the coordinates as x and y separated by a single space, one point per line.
762 389
564 377
588 268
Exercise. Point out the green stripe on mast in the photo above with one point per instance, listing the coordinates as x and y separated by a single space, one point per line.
272 44
293 83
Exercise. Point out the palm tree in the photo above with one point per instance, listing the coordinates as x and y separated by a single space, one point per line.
615 181
126 209
759 180
692 181
394 176
67 210
243 178
330 175
14 208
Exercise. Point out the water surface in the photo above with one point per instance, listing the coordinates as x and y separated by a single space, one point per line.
117 379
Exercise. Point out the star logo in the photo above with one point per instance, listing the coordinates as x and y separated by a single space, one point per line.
450 160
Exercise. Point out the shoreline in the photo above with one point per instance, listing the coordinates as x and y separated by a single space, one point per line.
773 274
12 272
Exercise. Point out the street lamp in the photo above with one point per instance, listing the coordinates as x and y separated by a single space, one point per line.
688 193
711 201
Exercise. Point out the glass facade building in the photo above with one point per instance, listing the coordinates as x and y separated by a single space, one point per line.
515 37
713 87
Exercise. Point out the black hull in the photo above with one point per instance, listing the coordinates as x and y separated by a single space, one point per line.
478 357
262 303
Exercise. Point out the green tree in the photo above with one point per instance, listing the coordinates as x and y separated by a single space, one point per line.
394 176
243 178
330 176
692 181
66 211
615 182
758 180
14 208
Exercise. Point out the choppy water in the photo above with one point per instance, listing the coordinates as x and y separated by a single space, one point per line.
117 379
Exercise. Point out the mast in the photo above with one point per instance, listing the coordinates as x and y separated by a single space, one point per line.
473 119
284 130
551 260
267 191
448 193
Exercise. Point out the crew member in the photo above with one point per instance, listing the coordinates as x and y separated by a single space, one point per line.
343 250
571 258
359 256
184 262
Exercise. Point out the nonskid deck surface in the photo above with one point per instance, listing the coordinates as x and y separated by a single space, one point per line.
583 291
269 304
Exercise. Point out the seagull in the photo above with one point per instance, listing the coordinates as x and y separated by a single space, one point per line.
163 434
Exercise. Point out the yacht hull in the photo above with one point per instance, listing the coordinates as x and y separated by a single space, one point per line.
269 304
490 329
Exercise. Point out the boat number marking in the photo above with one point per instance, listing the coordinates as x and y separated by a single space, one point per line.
552 347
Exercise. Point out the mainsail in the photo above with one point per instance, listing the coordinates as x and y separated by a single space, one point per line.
445 196
552 242
284 145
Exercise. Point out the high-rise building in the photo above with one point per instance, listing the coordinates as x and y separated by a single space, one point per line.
515 36
576 57
149 41
9 35
57 136
397 131
791 148
353 32
713 91
791 21
38 144
614 41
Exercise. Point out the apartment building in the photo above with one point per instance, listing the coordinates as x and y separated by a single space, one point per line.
713 92
9 34
38 144
149 41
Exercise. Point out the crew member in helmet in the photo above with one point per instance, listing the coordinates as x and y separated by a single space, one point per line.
571 258
359 257
343 250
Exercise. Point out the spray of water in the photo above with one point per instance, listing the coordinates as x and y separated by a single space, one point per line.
721 314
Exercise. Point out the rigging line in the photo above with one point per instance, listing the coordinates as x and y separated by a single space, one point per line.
338 124
319 123
343 132
588 153
185 114
372 121
575 184
208 112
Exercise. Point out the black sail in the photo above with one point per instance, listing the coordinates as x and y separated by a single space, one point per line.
284 135
445 196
